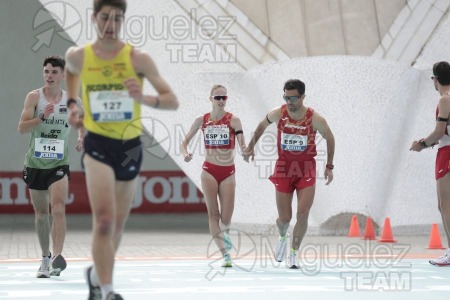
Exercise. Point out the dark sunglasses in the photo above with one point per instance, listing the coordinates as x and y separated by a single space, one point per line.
433 77
220 97
292 98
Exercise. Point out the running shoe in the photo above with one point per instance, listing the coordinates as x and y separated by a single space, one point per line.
280 253
44 269
443 261
293 261
95 293
114 296
58 265
227 261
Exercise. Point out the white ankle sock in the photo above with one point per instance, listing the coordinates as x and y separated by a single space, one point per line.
93 277
106 289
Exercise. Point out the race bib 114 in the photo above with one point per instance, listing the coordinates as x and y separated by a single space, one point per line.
48 148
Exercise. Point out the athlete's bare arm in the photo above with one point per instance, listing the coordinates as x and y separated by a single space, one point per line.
272 117
81 131
321 125
144 66
439 129
27 120
191 133
74 64
235 123
441 126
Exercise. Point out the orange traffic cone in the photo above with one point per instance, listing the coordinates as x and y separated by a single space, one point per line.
386 234
354 228
435 238
369 232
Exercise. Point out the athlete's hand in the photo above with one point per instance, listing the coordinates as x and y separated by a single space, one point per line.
48 110
188 157
247 153
328 176
134 89
73 119
80 144
416 146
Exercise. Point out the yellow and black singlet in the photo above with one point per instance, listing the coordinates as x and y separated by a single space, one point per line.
109 111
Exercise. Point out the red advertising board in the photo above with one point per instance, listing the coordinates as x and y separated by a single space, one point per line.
157 192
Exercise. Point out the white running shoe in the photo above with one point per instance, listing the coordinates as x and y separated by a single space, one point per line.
227 261
293 261
227 242
443 261
44 269
280 253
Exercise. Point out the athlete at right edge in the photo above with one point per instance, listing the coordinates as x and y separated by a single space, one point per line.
441 80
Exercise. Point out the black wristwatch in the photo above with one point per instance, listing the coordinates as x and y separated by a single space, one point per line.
42 117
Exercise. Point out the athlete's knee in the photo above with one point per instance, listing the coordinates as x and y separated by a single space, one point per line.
225 222
41 215
302 214
104 224
58 210
284 218
284 223
214 215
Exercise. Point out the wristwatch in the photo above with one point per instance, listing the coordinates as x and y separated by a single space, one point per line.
329 166
41 116
423 144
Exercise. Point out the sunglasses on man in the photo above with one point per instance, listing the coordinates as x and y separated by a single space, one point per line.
291 98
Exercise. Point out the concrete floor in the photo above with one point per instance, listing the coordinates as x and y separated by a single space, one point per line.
168 256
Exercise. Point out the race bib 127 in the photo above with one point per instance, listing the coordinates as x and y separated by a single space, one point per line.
111 106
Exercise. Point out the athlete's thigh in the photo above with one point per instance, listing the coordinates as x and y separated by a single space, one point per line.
100 183
284 204
305 199
227 190
40 200
443 190
210 191
58 191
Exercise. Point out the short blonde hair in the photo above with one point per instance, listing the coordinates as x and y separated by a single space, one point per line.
215 87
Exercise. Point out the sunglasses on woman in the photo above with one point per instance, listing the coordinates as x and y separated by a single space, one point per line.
220 97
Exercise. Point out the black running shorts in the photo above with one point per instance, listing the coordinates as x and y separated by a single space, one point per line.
123 156
41 179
